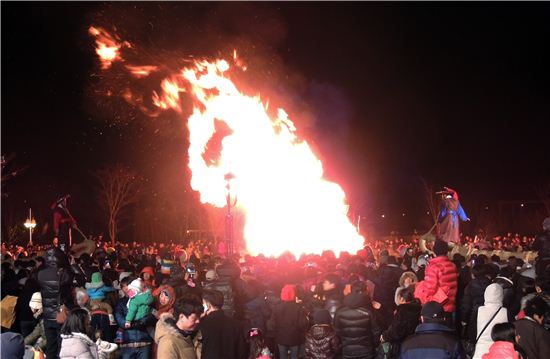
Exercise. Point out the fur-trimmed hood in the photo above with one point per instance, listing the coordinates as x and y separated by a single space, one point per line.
166 326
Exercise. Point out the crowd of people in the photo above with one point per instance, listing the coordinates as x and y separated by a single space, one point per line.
187 301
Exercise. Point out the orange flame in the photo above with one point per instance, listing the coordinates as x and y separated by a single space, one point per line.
108 47
287 204
141 71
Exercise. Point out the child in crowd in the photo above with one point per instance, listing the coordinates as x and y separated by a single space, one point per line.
140 301
321 339
97 291
504 346
258 347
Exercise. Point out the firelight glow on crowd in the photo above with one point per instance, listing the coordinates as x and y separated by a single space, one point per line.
298 280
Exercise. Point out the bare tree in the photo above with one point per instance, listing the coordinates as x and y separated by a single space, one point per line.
119 188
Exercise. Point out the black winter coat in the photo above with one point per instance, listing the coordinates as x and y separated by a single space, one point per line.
472 300
322 343
222 337
355 325
291 324
386 281
55 280
510 301
542 245
405 320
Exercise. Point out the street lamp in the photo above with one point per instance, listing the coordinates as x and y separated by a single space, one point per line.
30 223
229 239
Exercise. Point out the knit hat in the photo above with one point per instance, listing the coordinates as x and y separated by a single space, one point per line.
135 287
13 346
288 293
97 278
322 316
36 301
210 275
432 310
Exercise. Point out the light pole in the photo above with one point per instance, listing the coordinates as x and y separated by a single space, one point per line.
30 223
229 240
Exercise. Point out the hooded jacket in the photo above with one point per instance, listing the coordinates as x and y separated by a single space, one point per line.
173 343
55 282
77 346
493 301
441 273
500 350
533 339
357 327
322 342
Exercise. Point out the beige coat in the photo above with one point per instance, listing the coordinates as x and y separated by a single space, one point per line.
171 343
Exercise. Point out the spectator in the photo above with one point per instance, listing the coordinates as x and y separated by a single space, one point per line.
405 320
532 337
332 293
488 315
37 338
472 300
55 287
504 346
140 302
511 301
440 281
432 339
135 342
290 324
176 334
406 280
76 342
386 282
165 297
542 246
257 346
321 339
222 336
356 326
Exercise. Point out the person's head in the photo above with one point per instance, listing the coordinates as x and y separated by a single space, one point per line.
536 308
441 248
546 224
212 300
187 312
407 279
432 312
55 242
256 342
479 271
164 297
504 332
507 272
330 282
124 283
78 321
322 317
135 288
405 295
495 259
288 293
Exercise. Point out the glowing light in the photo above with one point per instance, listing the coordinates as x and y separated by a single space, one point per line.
287 203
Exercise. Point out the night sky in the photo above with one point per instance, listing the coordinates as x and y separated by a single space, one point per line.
455 93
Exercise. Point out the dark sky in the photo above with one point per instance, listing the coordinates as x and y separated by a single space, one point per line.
455 93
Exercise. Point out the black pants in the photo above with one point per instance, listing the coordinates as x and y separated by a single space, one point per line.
53 339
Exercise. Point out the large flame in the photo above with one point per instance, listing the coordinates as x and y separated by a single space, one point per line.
278 180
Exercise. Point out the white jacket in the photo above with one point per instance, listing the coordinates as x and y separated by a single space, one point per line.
493 300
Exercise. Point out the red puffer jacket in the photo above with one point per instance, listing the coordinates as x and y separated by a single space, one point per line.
500 350
440 273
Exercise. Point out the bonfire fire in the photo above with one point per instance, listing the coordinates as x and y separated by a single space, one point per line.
287 204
